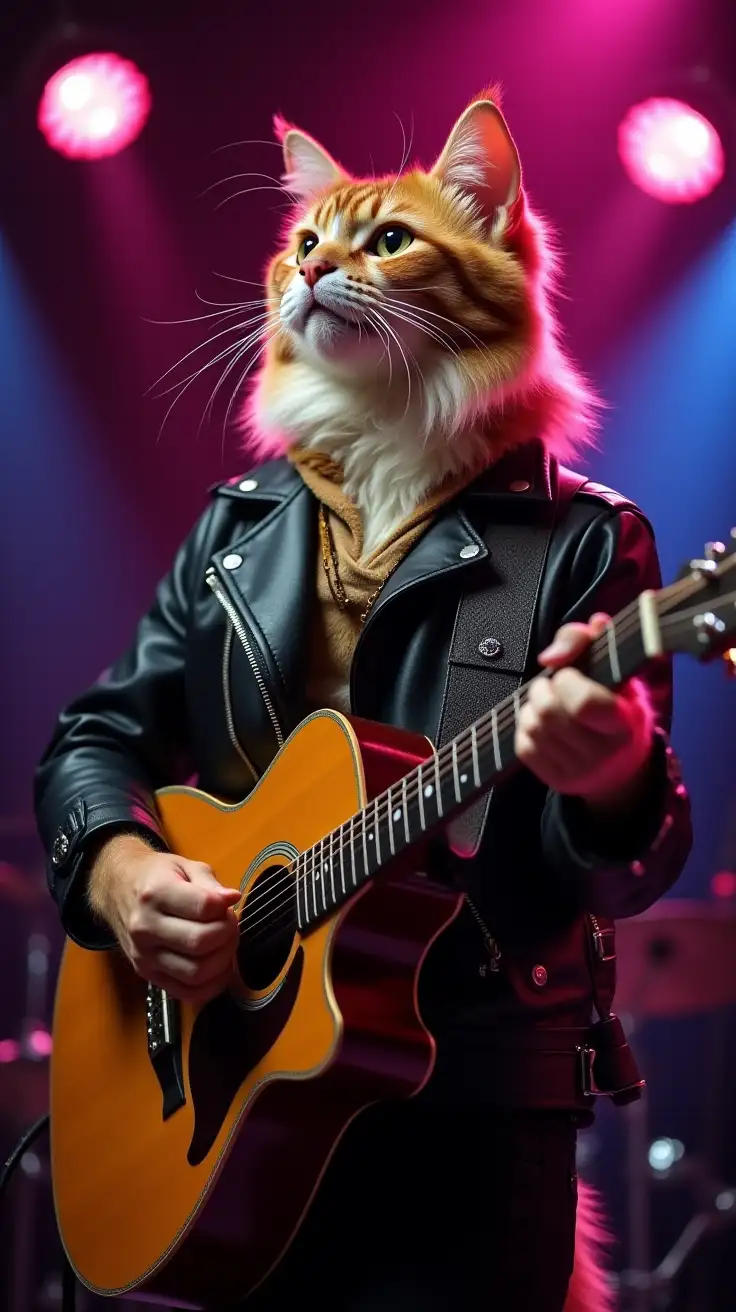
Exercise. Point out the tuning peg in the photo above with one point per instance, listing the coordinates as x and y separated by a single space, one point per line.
730 659
716 550
706 568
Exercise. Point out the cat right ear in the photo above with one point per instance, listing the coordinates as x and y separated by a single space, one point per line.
481 160
308 168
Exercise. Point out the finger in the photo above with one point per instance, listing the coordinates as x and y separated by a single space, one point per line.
193 995
200 901
193 973
550 763
198 872
572 640
193 938
589 704
568 643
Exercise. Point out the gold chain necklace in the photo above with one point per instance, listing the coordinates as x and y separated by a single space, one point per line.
332 570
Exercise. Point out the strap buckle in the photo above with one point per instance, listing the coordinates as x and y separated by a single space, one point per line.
604 942
586 1056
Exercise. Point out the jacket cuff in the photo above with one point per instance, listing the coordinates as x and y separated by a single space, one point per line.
625 867
75 844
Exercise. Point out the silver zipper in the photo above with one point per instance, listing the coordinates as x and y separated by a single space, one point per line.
492 948
239 627
226 650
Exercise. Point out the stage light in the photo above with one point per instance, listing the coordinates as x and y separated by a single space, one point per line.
94 106
671 151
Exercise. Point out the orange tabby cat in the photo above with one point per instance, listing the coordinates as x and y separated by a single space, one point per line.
421 343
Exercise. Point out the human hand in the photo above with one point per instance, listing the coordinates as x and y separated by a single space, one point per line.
580 738
173 920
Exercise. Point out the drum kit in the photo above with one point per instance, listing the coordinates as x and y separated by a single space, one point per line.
676 960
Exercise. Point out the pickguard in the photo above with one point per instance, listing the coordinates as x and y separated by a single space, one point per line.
227 1041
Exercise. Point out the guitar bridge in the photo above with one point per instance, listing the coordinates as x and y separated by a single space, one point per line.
164 1047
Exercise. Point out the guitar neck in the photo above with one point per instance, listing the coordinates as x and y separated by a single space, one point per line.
472 763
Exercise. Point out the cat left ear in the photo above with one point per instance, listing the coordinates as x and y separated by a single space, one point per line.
308 169
481 159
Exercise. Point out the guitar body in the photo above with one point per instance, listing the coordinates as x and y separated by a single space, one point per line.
184 1179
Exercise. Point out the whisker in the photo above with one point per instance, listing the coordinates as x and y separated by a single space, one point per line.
235 346
405 153
233 327
392 300
386 343
247 282
247 192
198 318
233 177
397 339
246 346
244 375
245 305
256 141
431 331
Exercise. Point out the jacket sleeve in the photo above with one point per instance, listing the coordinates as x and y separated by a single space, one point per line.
114 746
621 871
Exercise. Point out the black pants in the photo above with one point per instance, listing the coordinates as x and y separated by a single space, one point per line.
437 1210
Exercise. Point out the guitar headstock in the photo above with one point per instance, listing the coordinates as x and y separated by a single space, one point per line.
697 614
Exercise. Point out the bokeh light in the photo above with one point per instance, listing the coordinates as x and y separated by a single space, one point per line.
94 106
723 884
671 151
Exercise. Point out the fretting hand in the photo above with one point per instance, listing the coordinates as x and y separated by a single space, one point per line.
577 736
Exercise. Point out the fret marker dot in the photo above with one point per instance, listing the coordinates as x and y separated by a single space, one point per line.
397 814
463 778
429 790
370 835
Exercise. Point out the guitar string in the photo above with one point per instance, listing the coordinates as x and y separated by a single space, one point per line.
374 814
623 629
271 922
378 810
484 734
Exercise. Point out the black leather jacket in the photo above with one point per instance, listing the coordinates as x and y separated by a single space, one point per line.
187 700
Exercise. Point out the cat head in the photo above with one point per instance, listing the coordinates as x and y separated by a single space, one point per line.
419 302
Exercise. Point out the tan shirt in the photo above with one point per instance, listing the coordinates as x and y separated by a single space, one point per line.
335 628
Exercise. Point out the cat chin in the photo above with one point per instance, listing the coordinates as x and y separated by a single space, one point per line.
326 339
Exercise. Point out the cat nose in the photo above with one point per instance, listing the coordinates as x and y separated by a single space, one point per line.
312 270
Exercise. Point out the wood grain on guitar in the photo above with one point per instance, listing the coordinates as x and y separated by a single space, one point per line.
186 1206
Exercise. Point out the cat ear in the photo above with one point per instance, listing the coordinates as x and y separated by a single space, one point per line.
308 169
481 159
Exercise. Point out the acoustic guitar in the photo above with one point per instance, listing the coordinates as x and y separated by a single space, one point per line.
187 1143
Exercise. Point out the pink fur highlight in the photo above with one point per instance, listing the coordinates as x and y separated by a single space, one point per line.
590 1289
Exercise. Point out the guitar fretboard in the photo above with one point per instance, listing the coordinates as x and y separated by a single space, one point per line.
479 757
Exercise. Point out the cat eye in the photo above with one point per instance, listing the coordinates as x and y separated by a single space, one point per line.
391 241
306 245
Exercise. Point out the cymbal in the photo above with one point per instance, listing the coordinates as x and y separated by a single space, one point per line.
677 959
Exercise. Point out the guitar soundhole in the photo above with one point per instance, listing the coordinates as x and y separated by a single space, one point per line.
267 927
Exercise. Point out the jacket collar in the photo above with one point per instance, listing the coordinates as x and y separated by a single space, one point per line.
268 571
525 474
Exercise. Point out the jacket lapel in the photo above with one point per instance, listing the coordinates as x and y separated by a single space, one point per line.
268 575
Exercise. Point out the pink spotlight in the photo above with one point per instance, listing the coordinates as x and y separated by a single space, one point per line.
94 106
671 151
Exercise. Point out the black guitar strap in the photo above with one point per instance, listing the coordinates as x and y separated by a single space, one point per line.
489 659
489 652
